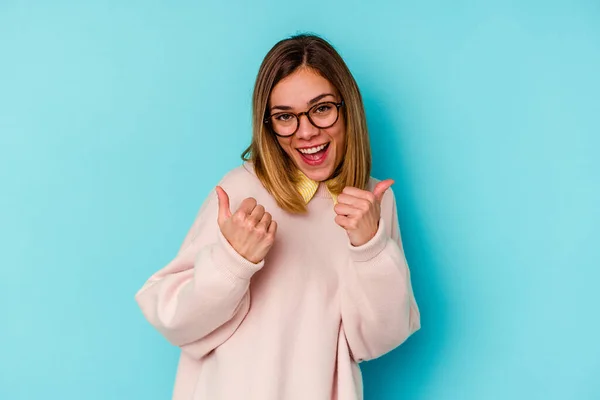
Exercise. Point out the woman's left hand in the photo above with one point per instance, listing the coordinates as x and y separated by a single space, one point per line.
358 211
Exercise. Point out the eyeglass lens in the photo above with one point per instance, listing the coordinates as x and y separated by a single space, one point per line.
322 115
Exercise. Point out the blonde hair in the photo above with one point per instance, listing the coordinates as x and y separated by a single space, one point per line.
272 165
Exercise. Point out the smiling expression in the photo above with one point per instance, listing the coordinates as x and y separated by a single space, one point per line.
315 151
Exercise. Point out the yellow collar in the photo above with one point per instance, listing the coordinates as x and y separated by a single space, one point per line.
307 187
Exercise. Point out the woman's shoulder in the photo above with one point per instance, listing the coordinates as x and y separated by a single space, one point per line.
388 202
241 182
374 181
242 175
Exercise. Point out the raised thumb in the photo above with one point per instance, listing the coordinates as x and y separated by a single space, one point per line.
381 187
224 210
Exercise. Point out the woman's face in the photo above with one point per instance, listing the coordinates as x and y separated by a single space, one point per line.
297 93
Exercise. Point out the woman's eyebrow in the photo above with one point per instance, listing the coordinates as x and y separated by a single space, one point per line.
312 101
319 97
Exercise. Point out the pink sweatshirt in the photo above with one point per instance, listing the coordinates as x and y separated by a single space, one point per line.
295 325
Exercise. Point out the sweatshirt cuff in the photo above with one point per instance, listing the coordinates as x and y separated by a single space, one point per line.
228 259
372 248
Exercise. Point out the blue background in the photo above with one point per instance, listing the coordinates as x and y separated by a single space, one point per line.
116 120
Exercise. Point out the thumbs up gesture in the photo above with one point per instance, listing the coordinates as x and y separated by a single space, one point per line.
358 211
250 230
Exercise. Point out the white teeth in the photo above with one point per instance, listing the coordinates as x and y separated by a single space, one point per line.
312 150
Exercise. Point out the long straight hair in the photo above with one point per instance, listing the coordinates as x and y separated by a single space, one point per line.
272 165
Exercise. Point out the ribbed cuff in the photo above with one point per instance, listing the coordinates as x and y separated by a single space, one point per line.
372 248
227 258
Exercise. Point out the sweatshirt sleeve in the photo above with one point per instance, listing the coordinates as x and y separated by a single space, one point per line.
199 299
379 311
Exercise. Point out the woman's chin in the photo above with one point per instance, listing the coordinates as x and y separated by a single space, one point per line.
318 174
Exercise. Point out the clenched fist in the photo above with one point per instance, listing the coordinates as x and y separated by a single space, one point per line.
358 211
250 230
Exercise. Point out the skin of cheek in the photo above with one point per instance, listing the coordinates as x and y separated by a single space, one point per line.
335 135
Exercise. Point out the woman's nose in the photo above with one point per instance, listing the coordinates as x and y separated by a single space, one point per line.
306 129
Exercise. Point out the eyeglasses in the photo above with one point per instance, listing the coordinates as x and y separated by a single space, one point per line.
322 115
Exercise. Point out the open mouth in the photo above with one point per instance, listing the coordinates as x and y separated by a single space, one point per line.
314 155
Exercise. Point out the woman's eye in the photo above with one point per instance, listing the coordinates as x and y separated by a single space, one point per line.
323 108
283 117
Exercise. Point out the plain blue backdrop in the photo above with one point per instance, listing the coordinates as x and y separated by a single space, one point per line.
118 118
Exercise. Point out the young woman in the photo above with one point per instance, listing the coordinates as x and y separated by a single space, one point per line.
293 271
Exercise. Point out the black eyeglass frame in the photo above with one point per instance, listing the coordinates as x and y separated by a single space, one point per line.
267 119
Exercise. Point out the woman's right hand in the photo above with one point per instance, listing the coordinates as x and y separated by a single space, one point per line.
250 230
